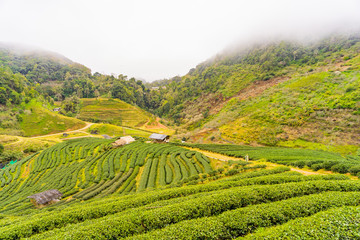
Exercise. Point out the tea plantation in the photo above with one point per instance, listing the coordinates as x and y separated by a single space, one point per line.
153 191
313 159
90 167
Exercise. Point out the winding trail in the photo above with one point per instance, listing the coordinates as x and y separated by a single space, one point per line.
81 130
224 158
73 131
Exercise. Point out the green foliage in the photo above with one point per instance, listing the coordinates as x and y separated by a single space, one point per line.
71 104
337 223
133 222
242 221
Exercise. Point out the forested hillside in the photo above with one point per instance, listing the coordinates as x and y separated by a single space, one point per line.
282 93
26 74
39 66
226 75
55 76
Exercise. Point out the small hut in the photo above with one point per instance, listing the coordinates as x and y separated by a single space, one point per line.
159 138
123 141
46 197
106 136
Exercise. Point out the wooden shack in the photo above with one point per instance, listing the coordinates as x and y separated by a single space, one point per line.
47 197
159 138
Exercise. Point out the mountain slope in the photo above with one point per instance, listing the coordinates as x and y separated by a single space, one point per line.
39 66
114 111
319 107
273 94
37 120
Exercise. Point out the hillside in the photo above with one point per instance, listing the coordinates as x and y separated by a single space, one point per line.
112 111
283 93
119 113
39 66
274 98
158 191
87 167
37 120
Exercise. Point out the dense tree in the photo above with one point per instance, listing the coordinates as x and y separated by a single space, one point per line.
71 104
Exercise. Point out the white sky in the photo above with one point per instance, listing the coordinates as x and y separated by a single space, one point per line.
160 39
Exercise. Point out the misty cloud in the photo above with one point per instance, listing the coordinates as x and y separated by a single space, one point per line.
160 39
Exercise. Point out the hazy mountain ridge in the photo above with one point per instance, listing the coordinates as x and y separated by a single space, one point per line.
216 93
37 65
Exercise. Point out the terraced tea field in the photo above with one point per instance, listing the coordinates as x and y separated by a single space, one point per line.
223 209
312 159
90 167
112 111
163 191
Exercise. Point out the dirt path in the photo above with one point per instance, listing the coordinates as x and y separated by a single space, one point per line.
225 158
19 140
81 130
304 172
216 156
73 131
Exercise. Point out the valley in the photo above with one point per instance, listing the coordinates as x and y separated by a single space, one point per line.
259 143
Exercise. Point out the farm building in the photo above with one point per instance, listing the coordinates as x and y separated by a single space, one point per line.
57 109
106 136
46 197
159 138
123 141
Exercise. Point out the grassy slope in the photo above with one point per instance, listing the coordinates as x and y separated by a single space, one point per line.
38 120
119 113
115 131
321 108
26 145
113 111
303 103
313 110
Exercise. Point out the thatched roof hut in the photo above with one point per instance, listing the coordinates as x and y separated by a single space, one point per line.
46 197
123 141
